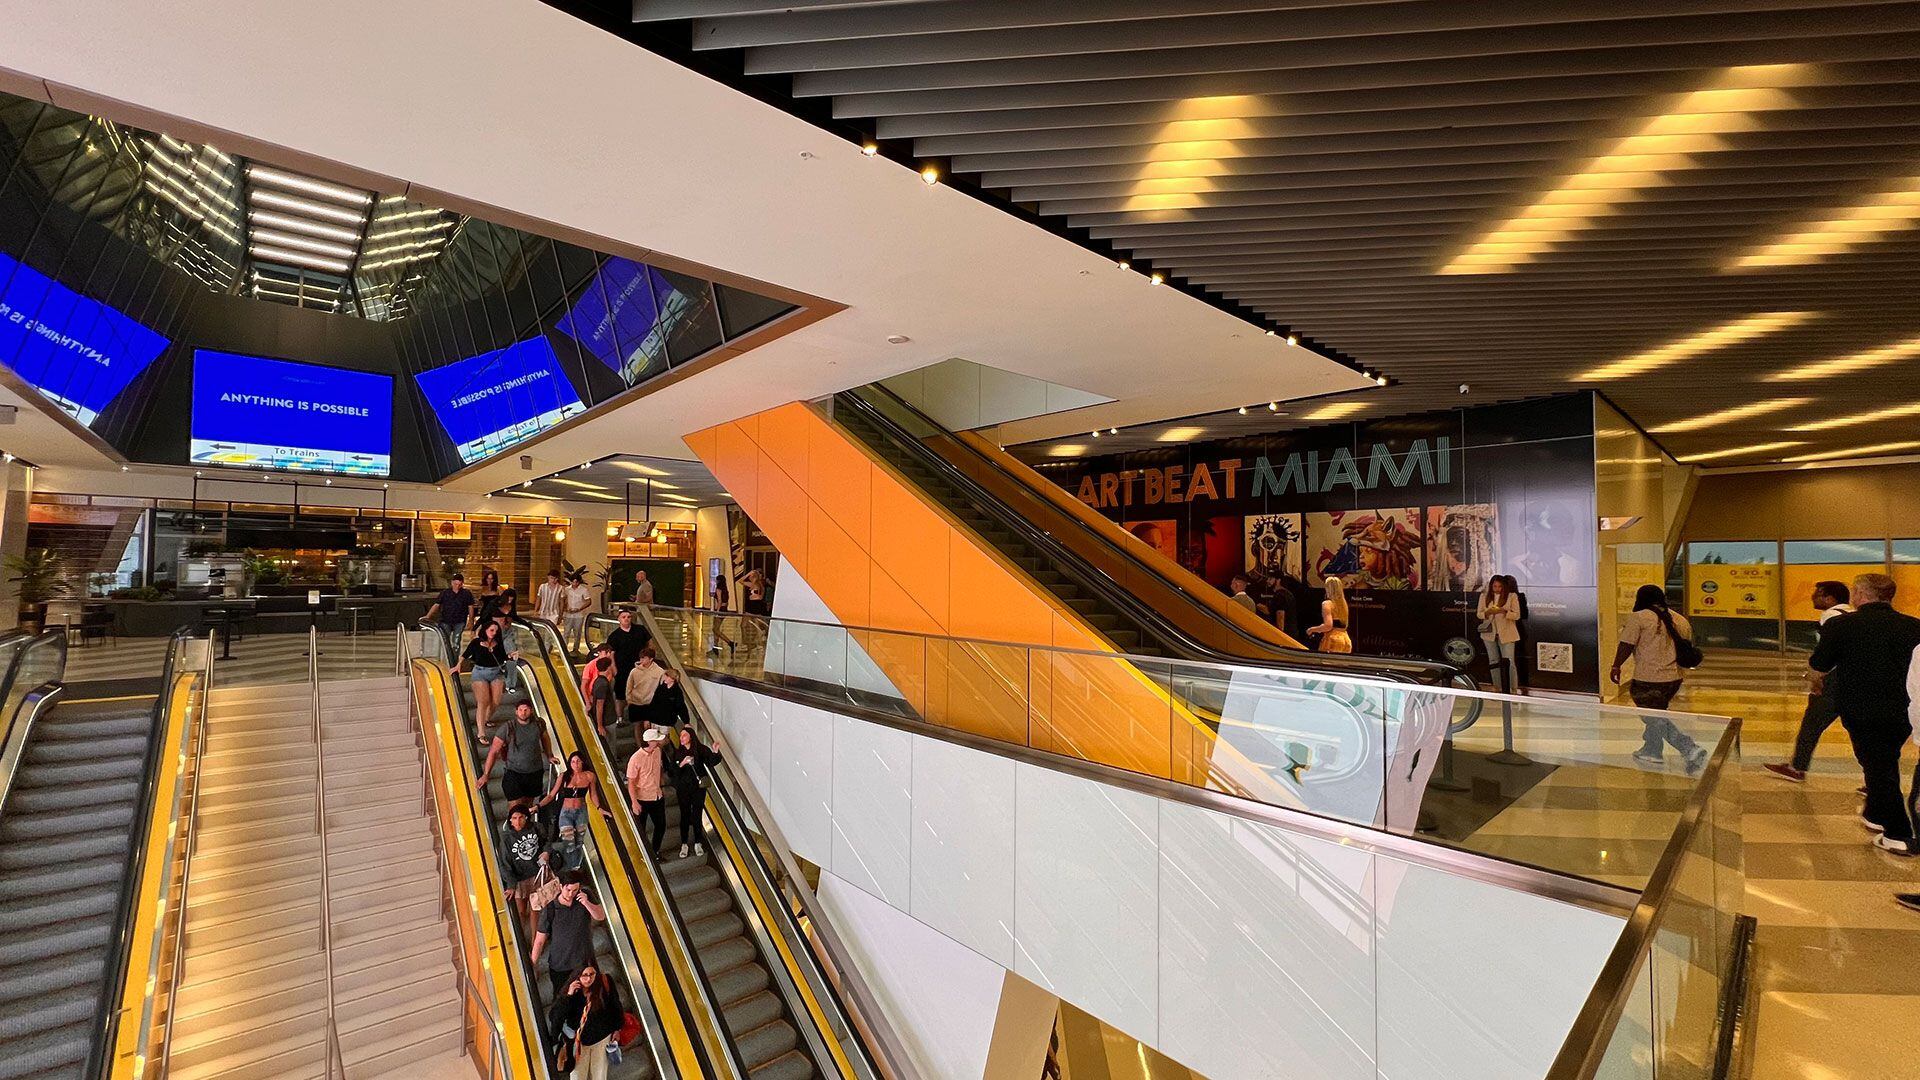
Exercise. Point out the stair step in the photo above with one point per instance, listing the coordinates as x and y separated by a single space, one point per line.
792 1065
401 1054
389 986
27 949
218 996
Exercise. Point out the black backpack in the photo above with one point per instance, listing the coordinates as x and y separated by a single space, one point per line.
1685 652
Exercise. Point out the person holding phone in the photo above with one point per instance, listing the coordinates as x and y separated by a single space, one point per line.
684 762
486 659
592 1011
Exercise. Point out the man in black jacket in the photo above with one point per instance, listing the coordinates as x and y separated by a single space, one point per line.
1872 649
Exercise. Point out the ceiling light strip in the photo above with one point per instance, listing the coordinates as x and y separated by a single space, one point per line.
1860 361
1892 413
1719 337
307 185
1737 451
294 204
1728 416
1888 212
1859 451
299 258
299 224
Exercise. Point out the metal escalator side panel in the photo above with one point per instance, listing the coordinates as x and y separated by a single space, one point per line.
631 896
486 924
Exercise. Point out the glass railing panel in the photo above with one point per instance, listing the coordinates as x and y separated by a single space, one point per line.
364 650
1629 1053
978 687
888 670
1088 706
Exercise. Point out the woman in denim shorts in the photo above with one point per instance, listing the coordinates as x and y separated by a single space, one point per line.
577 788
486 657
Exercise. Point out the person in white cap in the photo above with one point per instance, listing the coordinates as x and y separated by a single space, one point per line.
643 786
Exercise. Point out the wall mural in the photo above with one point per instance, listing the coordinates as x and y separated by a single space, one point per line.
1414 514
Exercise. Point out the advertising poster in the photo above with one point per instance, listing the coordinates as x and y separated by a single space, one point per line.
1275 545
489 402
257 413
1210 548
1161 536
1733 591
1368 549
1463 547
78 352
1551 543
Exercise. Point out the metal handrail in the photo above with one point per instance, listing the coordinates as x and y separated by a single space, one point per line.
189 824
320 826
1586 1044
887 1049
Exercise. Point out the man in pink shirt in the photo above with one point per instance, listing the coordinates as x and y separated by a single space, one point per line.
643 785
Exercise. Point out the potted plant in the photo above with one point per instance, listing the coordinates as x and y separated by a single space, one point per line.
37 572
257 570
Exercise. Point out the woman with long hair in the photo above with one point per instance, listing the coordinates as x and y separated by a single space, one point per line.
1499 614
592 1014
486 657
1334 616
1651 636
722 604
577 788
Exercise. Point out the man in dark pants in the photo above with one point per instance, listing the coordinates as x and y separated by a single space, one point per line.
626 643
565 935
1830 600
1872 650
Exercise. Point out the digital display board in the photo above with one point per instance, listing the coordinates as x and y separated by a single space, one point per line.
489 402
77 351
257 413
625 315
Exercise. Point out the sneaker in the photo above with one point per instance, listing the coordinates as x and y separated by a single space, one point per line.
1908 900
1787 773
1861 791
1697 761
1895 847
683 851
1649 759
1870 826
699 849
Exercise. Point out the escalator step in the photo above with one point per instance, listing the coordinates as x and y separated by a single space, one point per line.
765 1043
715 928
754 1011
789 1066
700 904
739 983
722 957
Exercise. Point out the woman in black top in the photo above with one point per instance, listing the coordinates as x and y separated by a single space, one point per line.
486 656
577 788
683 768
593 1013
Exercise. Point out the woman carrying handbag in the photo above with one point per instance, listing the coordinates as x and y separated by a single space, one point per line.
592 1021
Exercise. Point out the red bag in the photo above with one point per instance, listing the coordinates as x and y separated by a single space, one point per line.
629 1030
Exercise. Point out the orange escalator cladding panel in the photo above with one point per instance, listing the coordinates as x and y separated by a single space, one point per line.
843 479
782 510
910 545
838 569
783 434
736 463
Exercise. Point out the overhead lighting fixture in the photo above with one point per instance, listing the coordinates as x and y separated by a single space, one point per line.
1122 264
1293 339
870 148
299 258
1719 337
1859 451
302 243
1181 434
1157 278
1243 410
1860 361
307 185
1273 333
930 175
1894 210
1096 433
1893 412
1696 124
1334 410
1728 416
1064 450
1380 380
1739 451
1273 406
294 204
319 229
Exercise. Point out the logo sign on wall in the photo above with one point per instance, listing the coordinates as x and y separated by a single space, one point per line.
1733 591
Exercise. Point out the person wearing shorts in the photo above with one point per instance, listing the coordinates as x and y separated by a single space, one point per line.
521 746
578 791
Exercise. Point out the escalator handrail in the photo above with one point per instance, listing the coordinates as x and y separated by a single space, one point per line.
886 1050
623 845
522 955
505 922
1387 668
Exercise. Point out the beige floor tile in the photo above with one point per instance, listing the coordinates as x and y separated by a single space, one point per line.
1836 1037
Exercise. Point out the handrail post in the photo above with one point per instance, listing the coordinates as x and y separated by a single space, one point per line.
320 827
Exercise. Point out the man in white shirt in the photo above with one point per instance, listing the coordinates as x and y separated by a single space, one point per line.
547 598
576 601
1830 600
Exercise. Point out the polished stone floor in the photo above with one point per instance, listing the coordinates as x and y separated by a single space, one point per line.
1837 962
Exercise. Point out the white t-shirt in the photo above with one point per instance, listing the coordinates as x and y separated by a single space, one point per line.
579 598
1837 609
1654 658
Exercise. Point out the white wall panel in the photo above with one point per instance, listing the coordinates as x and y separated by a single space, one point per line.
1087 896
962 855
802 783
872 811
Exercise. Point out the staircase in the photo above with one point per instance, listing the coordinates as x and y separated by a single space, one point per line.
63 856
252 1000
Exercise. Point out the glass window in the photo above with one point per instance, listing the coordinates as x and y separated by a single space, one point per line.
1733 593
1906 576
1810 561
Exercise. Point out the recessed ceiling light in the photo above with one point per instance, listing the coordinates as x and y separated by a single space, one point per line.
1067 450
870 148
1181 434
1718 337
294 204
1893 412
1736 451
1728 416
1839 365
1894 210
1335 410
930 175
307 185
1858 451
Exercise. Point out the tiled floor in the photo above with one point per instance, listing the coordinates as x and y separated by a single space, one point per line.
1837 967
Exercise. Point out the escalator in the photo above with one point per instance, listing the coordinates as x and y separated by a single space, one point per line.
720 906
74 789
1141 605
619 940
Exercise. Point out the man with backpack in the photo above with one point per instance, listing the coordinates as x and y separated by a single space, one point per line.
1660 644
1872 649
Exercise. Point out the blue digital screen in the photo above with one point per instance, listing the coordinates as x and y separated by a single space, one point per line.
489 402
275 414
625 315
77 351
